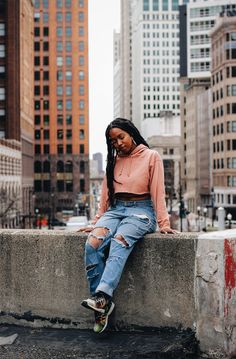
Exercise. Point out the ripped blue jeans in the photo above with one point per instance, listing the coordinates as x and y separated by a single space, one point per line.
130 220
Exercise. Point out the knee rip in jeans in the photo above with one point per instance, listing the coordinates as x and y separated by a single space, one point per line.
121 239
96 237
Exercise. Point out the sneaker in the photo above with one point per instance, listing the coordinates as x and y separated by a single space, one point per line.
101 319
97 303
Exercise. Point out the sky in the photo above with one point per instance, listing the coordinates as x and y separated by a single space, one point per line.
104 18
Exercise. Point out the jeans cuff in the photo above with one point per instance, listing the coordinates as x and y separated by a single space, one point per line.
103 287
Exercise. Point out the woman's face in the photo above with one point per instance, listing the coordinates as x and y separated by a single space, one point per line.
121 141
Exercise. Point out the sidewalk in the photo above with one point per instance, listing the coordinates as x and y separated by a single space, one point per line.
77 344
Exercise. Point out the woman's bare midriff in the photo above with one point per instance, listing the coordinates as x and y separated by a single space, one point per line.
123 196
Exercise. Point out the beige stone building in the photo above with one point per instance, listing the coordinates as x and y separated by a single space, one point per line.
223 38
195 156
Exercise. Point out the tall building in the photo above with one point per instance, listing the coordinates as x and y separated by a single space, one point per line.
116 75
197 18
223 79
16 109
98 158
61 106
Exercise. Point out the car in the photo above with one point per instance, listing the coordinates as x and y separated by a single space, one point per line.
76 222
57 222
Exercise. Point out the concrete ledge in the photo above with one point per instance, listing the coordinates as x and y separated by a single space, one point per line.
169 281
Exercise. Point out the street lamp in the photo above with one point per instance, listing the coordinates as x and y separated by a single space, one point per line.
205 214
212 206
36 213
198 214
229 217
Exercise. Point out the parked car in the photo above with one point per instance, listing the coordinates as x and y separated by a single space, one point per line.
57 222
76 222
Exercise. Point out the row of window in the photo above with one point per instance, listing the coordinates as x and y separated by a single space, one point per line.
163 35
156 5
157 115
160 88
160 62
219 146
219 111
61 75
159 43
61 186
161 26
67 104
59 3
67 90
67 119
158 53
62 167
59 61
160 17
60 134
61 149
60 17
60 46
162 106
160 79
163 97
209 11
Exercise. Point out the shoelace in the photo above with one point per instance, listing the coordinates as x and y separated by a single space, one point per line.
100 302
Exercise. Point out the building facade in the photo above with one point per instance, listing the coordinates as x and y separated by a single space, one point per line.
223 79
61 167
16 105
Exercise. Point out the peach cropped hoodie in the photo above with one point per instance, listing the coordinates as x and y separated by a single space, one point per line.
139 172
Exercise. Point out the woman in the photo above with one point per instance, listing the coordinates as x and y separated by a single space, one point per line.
132 203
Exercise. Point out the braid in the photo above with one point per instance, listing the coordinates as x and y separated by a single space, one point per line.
130 128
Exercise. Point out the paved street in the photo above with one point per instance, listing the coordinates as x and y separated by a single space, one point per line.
71 344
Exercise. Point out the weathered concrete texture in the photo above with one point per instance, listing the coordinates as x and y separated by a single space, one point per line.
216 293
68 344
42 281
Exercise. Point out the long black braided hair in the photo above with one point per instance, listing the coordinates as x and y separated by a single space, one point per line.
129 127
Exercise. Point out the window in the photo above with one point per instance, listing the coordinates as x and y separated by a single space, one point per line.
37 105
59 31
2 72
60 120
59 61
145 5
47 186
60 186
37 90
81 46
155 5
68 60
37 167
46 75
81 104
46 60
68 75
37 46
68 149
45 17
45 4
59 17
37 149
60 149
60 134
81 16
38 186
46 167
68 46
68 16
82 185
45 31
69 134
81 148
81 75
81 134
37 75
36 59
81 119
68 119
46 120
37 134
59 90
59 4
175 5
46 105
81 90
68 104
81 31
68 31
46 149
68 90
59 75
81 3
37 120
46 90
59 46
68 3
60 105
69 186
81 60
36 31
165 5
46 134
82 167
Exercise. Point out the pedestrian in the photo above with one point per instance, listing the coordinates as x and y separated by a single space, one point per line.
132 203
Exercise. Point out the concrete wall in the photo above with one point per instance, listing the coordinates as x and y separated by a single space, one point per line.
184 280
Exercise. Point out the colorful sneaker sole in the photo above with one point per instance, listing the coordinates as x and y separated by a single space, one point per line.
99 328
89 304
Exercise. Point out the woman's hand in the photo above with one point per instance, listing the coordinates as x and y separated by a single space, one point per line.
87 229
167 230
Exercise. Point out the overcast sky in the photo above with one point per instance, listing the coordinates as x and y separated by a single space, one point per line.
104 17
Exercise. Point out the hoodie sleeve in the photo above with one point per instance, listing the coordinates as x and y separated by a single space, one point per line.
103 204
157 191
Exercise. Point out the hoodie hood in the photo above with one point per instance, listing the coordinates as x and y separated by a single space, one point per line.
126 160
